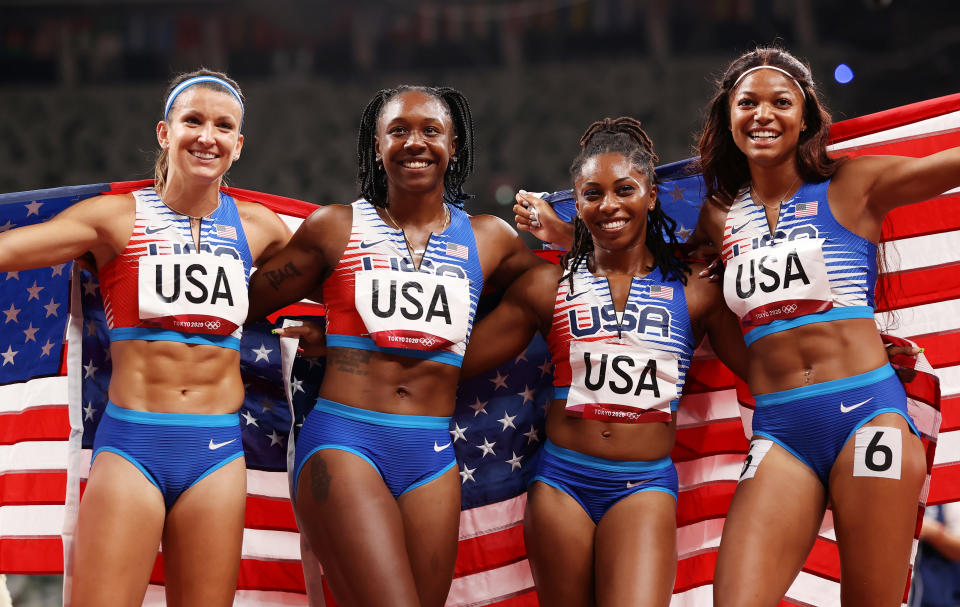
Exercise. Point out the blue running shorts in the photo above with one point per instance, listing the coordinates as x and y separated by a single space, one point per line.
174 451
406 450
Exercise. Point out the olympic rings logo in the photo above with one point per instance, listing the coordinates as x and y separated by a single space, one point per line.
790 308
212 325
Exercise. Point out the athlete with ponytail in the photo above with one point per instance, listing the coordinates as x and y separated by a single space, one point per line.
168 460
376 488
621 320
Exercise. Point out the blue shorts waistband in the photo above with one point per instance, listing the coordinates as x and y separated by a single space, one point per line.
379 418
197 420
600 463
828 387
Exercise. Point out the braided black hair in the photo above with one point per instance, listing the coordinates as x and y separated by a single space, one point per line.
371 176
625 136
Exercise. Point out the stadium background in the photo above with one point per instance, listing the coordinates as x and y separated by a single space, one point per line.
81 81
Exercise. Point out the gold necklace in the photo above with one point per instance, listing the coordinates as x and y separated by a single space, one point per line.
396 224
753 194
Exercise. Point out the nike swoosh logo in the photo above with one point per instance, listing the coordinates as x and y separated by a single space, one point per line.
636 484
852 407
572 296
214 445
367 245
736 229
438 448
154 230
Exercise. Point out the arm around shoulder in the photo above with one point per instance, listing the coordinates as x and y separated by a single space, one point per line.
297 269
526 307
503 256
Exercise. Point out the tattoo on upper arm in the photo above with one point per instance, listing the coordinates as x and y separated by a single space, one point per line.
319 479
276 277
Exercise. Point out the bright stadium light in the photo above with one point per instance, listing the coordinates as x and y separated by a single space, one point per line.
843 74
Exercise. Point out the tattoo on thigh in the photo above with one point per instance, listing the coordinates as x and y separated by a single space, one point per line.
319 480
276 277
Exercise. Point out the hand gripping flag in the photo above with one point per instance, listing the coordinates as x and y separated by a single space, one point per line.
54 371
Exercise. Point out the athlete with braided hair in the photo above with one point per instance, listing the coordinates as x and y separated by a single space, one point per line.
621 321
376 488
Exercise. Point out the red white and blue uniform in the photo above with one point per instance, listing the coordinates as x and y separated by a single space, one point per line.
626 369
771 278
631 368
810 269
161 287
414 310
377 299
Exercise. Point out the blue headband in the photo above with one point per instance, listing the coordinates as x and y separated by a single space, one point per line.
197 80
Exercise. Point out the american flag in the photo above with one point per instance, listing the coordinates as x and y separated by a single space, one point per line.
455 249
223 231
498 422
661 291
805 209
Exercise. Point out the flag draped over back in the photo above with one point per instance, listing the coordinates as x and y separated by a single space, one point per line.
54 369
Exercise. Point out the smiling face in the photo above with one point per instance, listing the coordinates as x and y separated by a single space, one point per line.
613 199
201 134
415 140
766 117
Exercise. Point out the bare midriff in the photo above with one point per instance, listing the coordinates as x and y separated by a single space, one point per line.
813 354
173 377
387 383
610 440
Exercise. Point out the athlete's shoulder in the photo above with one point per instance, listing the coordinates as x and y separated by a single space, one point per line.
544 274
491 226
329 217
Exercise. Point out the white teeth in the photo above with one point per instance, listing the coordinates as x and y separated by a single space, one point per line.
204 155
416 164
764 135
612 225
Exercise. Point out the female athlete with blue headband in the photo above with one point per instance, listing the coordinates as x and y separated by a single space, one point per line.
173 263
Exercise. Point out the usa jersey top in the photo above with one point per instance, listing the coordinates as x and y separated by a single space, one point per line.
810 269
377 299
629 369
162 287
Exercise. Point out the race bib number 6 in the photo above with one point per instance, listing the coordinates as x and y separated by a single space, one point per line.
193 293
413 310
779 282
618 383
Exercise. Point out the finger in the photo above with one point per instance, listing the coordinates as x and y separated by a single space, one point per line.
907 350
521 212
300 331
